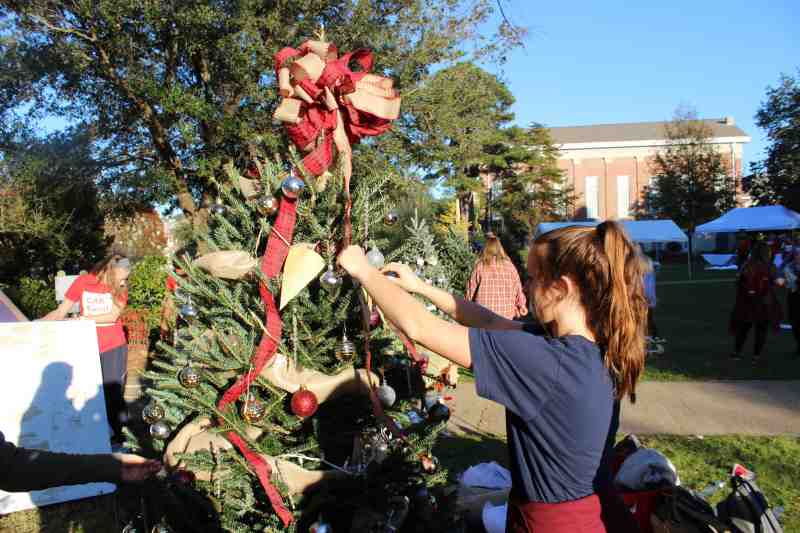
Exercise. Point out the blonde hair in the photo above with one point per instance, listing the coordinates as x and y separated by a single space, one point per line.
493 252
607 269
102 270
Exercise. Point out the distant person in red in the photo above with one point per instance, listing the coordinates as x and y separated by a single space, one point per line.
495 284
103 295
742 248
168 311
756 302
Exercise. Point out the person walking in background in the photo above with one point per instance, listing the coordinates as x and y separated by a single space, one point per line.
756 303
655 343
103 295
495 284
791 273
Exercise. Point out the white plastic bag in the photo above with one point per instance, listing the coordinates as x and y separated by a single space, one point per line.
646 468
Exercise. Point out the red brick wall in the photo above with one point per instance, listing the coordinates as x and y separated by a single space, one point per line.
575 172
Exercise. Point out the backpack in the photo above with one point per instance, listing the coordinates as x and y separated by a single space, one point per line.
747 509
756 281
681 511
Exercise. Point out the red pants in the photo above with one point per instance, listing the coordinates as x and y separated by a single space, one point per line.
587 515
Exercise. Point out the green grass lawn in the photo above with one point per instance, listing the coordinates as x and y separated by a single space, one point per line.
693 316
776 461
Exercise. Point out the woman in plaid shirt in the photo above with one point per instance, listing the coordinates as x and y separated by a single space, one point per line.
494 283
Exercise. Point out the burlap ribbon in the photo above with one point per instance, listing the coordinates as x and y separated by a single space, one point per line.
326 104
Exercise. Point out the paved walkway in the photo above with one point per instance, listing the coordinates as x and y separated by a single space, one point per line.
680 408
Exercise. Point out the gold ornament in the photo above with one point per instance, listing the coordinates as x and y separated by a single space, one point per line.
345 350
152 413
189 377
253 409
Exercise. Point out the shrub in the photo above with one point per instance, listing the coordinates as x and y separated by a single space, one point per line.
34 297
146 288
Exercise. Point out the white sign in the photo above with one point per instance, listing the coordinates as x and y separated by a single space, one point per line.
63 283
52 400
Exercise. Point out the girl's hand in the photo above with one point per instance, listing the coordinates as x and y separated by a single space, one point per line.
353 260
404 277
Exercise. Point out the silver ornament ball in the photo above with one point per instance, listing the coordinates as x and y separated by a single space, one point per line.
375 258
292 187
160 430
391 218
218 209
188 312
431 398
329 279
441 281
420 261
320 527
152 413
267 205
189 377
387 395
438 413
160 528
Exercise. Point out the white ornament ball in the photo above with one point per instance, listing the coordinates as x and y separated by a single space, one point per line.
387 395
375 258
420 262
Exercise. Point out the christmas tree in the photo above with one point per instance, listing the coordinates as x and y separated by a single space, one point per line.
284 402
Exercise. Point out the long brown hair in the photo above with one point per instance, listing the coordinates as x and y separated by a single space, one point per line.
102 270
607 269
493 251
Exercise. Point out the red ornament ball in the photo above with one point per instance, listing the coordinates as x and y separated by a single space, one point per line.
304 403
184 477
374 318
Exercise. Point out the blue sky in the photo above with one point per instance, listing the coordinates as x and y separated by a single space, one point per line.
590 62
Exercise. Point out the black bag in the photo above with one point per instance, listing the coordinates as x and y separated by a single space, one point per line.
747 509
681 511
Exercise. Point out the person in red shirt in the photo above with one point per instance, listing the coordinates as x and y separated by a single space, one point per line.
103 295
495 284
168 310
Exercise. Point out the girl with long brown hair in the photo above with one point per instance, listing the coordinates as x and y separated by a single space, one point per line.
495 282
103 295
560 384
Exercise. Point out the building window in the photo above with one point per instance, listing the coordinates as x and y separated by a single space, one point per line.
592 197
623 196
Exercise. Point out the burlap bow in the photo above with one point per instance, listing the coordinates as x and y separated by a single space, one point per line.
326 104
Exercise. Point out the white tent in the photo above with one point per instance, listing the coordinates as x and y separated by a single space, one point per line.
644 231
768 218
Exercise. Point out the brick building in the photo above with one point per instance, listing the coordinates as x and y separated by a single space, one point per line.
609 165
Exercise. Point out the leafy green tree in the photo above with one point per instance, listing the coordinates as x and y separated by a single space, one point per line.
171 91
50 217
692 184
532 186
776 179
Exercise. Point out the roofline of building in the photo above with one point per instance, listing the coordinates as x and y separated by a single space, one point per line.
643 143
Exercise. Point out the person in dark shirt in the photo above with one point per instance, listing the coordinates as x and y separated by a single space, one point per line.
23 470
561 386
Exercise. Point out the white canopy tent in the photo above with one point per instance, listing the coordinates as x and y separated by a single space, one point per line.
644 231
768 218
641 231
